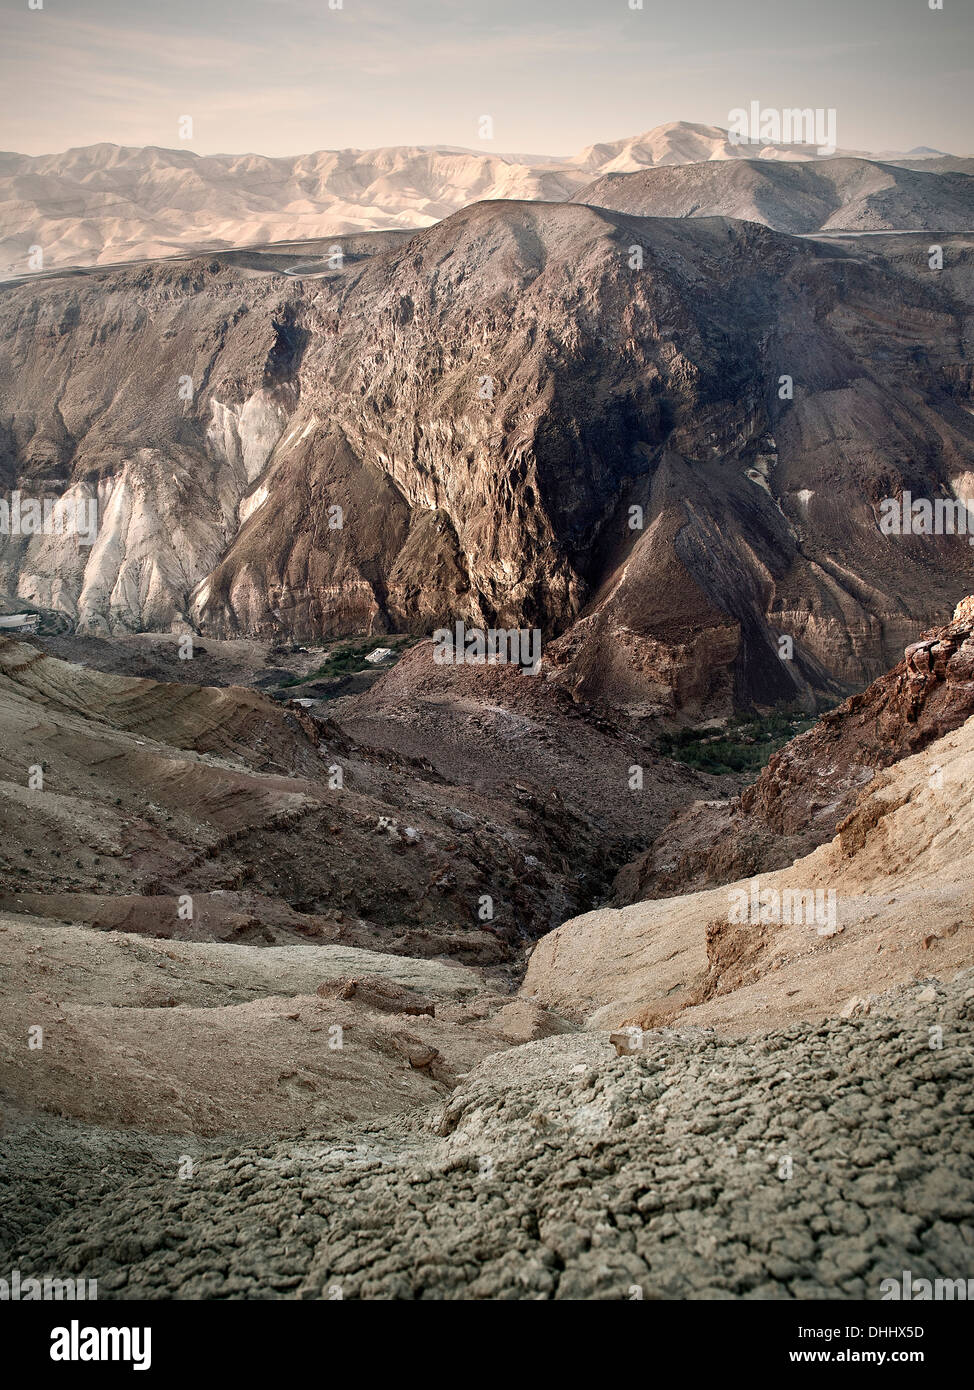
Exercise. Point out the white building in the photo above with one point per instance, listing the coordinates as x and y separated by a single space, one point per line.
15 623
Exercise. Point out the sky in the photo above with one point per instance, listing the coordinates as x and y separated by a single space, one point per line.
282 77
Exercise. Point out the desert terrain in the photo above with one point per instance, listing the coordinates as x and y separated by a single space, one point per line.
332 968
269 1099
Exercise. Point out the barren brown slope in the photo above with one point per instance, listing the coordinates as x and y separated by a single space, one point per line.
100 204
391 827
183 1037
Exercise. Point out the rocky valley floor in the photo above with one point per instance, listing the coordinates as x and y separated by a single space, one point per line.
330 1080
811 1162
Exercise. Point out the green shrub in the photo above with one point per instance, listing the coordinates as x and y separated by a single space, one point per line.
346 657
744 745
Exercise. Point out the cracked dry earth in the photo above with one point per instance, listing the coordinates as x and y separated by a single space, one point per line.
557 1170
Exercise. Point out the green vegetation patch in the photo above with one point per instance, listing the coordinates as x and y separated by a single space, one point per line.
348 657
744 745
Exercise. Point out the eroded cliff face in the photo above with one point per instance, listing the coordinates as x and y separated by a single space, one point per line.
527 415
152 392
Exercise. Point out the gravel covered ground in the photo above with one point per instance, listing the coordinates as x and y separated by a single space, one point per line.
812 1162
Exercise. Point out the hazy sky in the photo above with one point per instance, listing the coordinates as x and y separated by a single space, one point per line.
289 76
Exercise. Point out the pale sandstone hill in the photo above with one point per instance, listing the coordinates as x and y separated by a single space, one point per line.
901 870
181 1037
100 204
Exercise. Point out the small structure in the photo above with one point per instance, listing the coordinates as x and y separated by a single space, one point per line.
380 656
16 623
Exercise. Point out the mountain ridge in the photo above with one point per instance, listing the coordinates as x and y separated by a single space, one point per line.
835 195
362 387
138 202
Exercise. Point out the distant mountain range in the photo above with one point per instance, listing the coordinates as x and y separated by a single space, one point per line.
105 203
842 194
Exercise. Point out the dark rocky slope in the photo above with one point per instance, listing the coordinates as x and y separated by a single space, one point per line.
845 194
810 789
486 402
